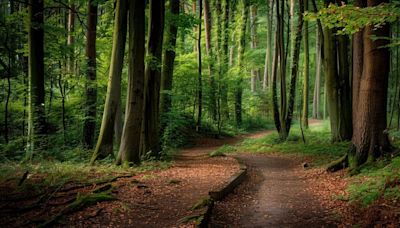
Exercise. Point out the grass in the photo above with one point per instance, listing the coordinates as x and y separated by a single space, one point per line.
317 146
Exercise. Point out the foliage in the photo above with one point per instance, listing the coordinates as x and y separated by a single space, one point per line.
349 19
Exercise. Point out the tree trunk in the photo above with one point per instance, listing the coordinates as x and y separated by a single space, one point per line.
71 39
89 125
242 44
104 145
268 54
306 71
168 61
151 119
211 59
225 59
199 78
36 111
370 137
255 77
317 85
129 151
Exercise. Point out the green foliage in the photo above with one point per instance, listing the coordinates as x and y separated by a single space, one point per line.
221 151
349 19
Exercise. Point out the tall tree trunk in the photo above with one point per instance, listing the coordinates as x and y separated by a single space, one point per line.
129 151
89 125
104 145
242 44
168 62
317 85
71 39
306 71
211 59
255 77
268 54
370 138
151 119
199 77
337 76
225 59
36 111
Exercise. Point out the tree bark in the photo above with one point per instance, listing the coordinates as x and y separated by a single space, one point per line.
306 71
151 118
242 44
199 77
36 111
104 145
129 151
317 86
370 137
268 54
255 77
168 61
89 125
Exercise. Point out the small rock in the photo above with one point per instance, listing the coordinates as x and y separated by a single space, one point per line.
305 165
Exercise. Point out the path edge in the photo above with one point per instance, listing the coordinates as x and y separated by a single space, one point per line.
222 191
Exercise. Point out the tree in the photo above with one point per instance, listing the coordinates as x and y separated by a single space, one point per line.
268 54
370 136
317 86
199 78
255 77
104 145
89 125
283 115
241 48
151 119
306 71
129 151
169 57
36 111
337 76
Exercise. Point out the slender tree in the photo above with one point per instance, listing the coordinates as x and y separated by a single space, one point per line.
199 77
104 145
268 54
36 111
255 73
89 125
306 71
129 151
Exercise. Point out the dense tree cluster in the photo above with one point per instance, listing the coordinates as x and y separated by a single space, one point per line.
136 76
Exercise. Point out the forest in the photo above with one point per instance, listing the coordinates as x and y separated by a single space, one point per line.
199 113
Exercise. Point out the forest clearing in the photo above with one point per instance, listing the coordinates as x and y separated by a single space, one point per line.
199 113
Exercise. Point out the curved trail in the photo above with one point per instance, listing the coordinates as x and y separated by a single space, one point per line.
274 194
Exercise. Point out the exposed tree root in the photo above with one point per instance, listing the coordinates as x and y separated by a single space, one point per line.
339 164
100 194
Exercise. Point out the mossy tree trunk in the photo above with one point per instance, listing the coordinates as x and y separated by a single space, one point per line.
151 118
89 125
104 145
199 76
36 110
129 151
241 48
255 73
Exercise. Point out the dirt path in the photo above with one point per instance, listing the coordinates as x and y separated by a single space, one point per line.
275 194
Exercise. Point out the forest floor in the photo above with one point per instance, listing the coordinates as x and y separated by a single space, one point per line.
156 198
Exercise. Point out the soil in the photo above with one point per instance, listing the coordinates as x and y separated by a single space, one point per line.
161 198
275 194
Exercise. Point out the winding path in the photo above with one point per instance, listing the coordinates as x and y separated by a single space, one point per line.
274 194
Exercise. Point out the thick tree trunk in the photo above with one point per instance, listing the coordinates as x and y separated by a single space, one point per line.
129 151
370 137
36 111
89 125
168 61
104 145
151 119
